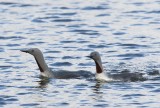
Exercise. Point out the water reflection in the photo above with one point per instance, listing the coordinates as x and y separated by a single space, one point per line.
97 90
98 86
43 82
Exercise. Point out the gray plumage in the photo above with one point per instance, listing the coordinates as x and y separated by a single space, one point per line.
47 72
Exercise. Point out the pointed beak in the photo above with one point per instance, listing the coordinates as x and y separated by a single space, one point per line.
88 56
24 50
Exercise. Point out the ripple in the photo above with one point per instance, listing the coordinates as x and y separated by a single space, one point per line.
12 38
67 41
84 64
101 105
68 48
13 4
1 50
7 99
38 20
62 64
138 24
86 32
53 51
82 41
64 8
97 46
130 55
156 90
69 57
95 8
135 12
7 3
102 15
84 49
141 37
156 21
12 99
61 104
133 46
2 87
139 3
133 95
119 33
80 86
50 16
76 26
12 45
30 104
4 67
35 43
64 20
154 11
68 14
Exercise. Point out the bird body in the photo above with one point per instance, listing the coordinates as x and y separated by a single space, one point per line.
101 75
47 72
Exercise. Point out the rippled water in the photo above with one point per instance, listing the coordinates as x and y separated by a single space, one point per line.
126 33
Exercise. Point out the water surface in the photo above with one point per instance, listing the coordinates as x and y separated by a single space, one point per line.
126 33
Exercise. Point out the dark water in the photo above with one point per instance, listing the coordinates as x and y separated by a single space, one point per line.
126 33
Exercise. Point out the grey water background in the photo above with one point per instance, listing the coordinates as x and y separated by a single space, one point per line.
125 32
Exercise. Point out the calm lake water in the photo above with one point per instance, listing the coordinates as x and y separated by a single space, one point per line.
125 32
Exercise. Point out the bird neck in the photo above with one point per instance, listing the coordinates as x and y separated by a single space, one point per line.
99 68
41 63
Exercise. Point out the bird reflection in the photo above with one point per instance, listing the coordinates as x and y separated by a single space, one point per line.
98 86
97 90
43 82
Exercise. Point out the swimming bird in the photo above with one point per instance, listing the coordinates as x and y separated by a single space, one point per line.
123 76
47 72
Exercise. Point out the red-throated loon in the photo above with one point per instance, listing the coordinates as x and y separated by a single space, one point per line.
123 76
47 72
